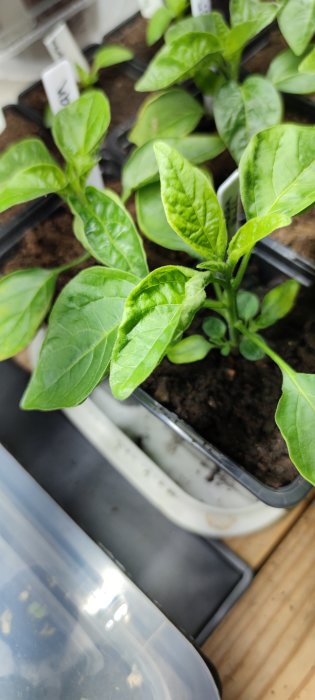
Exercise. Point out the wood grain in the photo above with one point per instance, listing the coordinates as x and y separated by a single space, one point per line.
256 548
265 647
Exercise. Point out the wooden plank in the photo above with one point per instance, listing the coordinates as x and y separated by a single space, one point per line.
265 647
256 548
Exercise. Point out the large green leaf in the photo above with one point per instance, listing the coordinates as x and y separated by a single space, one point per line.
156 313
286 75
248 17
175 61
277 303
25 298
152 220
253 231
241 111
108 232
109 56
82 330
190 204
158 24
79 129
212 22
248 10
277 171
295 418
28 171
297 23
171 114
141 167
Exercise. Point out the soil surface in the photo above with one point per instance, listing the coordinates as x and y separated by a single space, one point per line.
231 402
300 235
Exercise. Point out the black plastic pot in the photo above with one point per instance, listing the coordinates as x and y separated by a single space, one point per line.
282 497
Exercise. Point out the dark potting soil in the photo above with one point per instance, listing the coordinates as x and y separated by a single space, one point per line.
231 402
17 128
300 235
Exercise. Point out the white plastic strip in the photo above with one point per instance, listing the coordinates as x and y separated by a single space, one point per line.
200 7
228 196
2 121
60 43
60 85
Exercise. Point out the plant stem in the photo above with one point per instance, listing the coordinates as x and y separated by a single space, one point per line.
261 343
237 281
213 304
73 263
231 315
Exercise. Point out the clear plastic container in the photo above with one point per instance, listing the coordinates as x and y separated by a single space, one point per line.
22 22
72 625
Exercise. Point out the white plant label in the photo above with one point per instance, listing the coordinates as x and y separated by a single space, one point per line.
200 7
60 85
2 121
60 43
149 7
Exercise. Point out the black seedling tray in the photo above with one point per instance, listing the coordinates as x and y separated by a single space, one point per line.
194 580
282 497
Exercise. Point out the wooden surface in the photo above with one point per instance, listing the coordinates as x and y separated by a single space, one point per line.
265 647
256 548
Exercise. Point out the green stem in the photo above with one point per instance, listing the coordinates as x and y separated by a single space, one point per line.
237 281
73 263
231 315
261 343
213 304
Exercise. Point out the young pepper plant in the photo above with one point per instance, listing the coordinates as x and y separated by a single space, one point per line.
104 57
172 10
277 174
28 171
209 51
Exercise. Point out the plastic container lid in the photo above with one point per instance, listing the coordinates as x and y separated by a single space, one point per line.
72 625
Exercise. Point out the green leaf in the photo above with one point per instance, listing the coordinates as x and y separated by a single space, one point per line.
240 111
190 204
277 303
25 298
297 23
109 233
141 167
79 129
277 171
247 304
174 113
214 328
253 231
28 171
156 313
248 17
212 22
307 64
110 56
158 24
177 7
175 61
248 10
250 351
284 72
82 330
86 77
152 220
191 349
295 418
